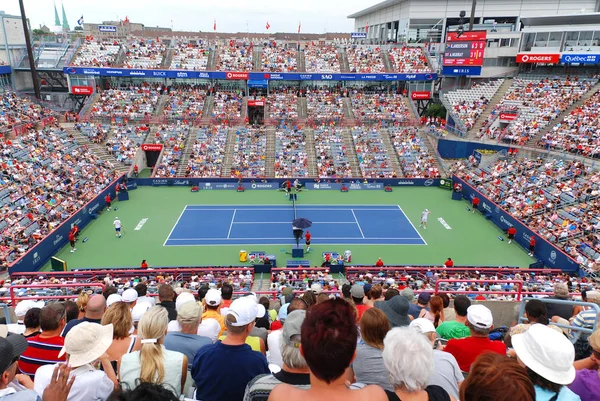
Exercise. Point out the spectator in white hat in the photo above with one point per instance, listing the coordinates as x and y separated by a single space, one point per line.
129 297
294 370
446 372
85 344
21 310
480 322
124 341
137 312
182 298
187 341
153 363
548 357
221 371
212 302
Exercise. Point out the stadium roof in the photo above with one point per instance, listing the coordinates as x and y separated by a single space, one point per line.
376 7
573 19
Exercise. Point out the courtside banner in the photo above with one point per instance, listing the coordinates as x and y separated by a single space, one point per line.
545 251
37 256
224 183
229 75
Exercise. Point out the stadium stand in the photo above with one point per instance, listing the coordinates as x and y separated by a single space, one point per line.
190 56
283 105
379 108
291 158
97 53
135 104
144 53
173 137
415 158
236 57
185 102
19 111
409 59
227 106
365 59
208 151
373 158
468 104
324 105
332 159
249 153
125 141
278 57
322 58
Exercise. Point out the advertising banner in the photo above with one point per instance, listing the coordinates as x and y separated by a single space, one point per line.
155 147
358 35
460 71
580 58
107 28
508 117
545 251
82 90
424 95
530 58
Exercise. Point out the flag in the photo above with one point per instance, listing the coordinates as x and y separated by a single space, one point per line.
80 21
267 26
299 25
126 20
215 25
367 29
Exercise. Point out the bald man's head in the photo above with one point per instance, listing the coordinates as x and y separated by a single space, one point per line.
95 307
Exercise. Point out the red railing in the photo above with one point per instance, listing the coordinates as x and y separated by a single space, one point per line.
519 283
14 298
466 269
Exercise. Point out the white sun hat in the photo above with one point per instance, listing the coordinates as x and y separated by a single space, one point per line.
87 342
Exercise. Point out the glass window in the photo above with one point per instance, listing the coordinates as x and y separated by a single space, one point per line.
585 38
555 38
596 39
528 39
541 39
572 38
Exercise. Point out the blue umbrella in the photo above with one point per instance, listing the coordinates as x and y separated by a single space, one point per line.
302 223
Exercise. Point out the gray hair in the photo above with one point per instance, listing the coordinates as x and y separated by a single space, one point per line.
291 355
408 356
593 297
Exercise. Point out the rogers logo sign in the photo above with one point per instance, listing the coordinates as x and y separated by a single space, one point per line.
237 75
538 58
420 95
156 147
508 116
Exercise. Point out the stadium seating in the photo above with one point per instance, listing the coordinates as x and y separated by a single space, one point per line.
279 58
185 102
324 105
291 159
468 104
332 158
17 110
236 58
125 141
322 58
97 53
208 152
283 105
227 106
373 158
248 158
379 108
135 104
415 159
365 60
190 56
409 60
96 133
144 53
173 138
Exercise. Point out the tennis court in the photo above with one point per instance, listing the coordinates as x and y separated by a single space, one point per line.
201 225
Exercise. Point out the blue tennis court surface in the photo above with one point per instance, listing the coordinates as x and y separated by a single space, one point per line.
272 225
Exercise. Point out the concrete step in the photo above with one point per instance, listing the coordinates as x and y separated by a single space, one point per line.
270 153
229 146
490 106
394 163
351 153
311 152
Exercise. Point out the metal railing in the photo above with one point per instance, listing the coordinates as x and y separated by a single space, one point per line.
518 293
563 302
15 297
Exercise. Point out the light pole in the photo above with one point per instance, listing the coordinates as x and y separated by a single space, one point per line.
34 77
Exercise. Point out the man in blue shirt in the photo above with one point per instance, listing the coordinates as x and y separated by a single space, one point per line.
187 341
221 371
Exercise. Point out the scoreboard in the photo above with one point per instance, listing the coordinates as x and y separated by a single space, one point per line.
464 50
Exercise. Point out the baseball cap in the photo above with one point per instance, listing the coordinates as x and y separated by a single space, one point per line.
316 288
283 312
547 352
86 342
422 325
292 327
424 298
189 311
112 299
245 310
367 287
408 293
480 316
23 307
357 291
138 310
11 348
184 298
129 295
213 297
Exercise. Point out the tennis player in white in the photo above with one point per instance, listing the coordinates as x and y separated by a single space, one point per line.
117 224
424 216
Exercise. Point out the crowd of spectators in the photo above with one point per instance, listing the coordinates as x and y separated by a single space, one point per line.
468 104
283 105
96 133
415 158
379 108
249 153
46 177
277 57
409 60
325 104
190 56
18 110
291 158
365 340
125 140
135 103
322 58
185 102
330 150
97 53
208 152
373 158
145 53
236 57
227 106
365 59
173 139
578 132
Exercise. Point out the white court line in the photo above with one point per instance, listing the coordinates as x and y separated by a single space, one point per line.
355 219
177 222
307 205
413 226
282 209
292 243
279 238
288 222
231 224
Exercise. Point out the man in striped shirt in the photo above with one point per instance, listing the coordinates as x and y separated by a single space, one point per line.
44 348
587 318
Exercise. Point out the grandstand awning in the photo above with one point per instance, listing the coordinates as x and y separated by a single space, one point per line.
258 83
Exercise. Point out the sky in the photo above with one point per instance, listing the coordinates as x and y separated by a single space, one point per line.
316 16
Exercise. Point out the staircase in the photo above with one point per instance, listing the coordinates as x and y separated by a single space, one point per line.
209 102
533 140
490 106
244 112
160 105
257 58
227 161
302 107
166 63
343 57
385 57
185 156
411 109
311 154
351 153
301 62
385 137
212 60
98 150
270 153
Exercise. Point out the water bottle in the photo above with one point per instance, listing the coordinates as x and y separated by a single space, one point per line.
85 239
468 209
116 208
501 238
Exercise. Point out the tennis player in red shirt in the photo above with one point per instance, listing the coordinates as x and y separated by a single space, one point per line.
107 199
531 246
72 240
511 234
307 238
475 203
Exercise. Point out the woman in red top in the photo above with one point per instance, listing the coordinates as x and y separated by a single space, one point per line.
449 263
144 264
511 234
379 263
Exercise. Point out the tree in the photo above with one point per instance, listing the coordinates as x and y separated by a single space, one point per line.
39 32
436 110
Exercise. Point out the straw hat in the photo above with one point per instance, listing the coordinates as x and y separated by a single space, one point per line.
87 342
